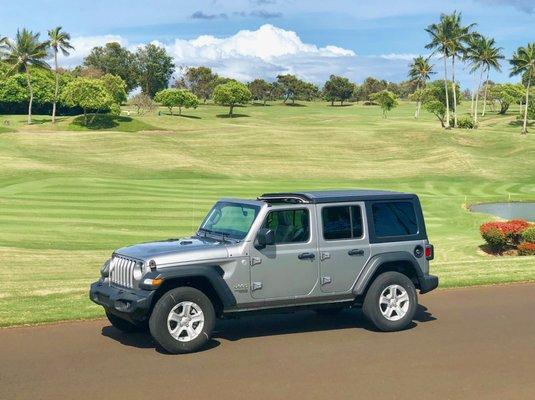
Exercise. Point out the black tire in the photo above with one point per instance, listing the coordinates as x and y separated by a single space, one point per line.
124 325
158 320
372 309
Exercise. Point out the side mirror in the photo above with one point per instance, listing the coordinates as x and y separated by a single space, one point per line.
265 237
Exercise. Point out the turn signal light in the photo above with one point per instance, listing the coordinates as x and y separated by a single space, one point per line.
154 283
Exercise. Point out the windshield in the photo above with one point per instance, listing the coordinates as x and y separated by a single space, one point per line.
230 219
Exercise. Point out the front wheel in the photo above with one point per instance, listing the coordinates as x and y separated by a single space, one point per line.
391 301
182 320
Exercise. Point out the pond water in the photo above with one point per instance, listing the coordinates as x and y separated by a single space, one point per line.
520 210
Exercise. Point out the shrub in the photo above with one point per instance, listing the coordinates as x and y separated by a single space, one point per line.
466 123
529 234
494 237
514 229
500 234
526 249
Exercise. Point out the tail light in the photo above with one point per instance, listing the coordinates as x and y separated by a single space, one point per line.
429 252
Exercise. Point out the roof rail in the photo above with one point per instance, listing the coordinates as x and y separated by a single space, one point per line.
284 198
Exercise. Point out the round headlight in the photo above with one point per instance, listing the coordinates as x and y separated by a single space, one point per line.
138 271
105 269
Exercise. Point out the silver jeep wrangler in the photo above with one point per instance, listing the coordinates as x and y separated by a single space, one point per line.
324 251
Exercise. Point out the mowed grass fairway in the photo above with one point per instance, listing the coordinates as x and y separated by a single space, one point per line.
70 195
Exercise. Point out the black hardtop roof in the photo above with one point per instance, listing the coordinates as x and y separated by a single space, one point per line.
335 196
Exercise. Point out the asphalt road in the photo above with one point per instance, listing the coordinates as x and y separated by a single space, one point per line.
465 344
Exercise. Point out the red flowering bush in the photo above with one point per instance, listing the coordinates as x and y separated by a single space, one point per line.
499 234
494 237
526 249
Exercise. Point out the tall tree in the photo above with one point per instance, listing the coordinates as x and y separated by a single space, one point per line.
116 60
338 88
441 35
24 52
59 41
491 60
469 56
482 56
260 90
371 85
459 36
420 72
155 67
200 80
523 63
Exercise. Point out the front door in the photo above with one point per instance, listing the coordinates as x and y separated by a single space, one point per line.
344 245
290 267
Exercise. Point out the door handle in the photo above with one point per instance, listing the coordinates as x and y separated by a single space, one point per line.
356 252
306 256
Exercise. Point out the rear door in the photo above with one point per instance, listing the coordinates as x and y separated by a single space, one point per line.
343 243
290 267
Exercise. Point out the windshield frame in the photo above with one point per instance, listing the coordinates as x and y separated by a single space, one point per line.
204 231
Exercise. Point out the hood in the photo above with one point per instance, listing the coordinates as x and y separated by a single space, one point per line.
176 250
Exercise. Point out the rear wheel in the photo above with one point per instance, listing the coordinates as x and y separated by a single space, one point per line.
182 320
124 325
391 301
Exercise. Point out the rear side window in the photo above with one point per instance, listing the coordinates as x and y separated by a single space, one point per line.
396 218
341 222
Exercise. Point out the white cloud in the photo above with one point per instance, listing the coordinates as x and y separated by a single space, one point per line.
265 52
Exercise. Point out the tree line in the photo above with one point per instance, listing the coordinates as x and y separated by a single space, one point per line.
111 71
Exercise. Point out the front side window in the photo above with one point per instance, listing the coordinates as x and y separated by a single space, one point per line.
396 218
341 222
289 226
230 219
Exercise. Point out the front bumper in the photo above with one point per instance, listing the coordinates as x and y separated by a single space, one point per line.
428 283
132 305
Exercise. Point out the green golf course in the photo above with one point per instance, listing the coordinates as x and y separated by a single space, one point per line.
70 194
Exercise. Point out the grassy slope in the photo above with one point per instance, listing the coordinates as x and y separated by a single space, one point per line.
68 198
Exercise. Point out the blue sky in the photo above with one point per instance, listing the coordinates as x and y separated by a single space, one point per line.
247 38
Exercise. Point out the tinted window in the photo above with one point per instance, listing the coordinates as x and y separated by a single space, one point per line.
342 222
289 226
395 218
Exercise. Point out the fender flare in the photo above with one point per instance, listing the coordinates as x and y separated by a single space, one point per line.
375 263
209 272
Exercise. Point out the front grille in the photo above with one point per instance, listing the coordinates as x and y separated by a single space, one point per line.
122 271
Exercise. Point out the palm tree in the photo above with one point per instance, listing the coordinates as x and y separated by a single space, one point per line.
523 62
483 55
59 41
419 72
490 59
441 35
460 35
24 52
469 56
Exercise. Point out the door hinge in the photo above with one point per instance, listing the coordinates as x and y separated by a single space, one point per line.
325 256
256 286
326 280
256 261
